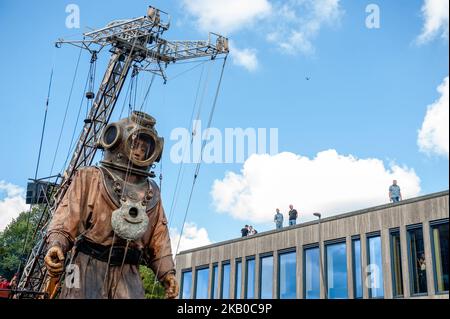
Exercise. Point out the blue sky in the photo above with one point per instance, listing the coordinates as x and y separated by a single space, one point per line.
362 107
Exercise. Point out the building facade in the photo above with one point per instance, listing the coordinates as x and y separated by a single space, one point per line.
395 250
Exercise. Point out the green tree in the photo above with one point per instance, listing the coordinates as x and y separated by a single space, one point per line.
12 240
152 290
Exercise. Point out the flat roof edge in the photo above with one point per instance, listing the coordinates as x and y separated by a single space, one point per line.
327 219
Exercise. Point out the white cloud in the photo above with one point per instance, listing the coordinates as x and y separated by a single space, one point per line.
226 16
297 24
433 136
329 183
291 26
435 14
12 204
244 57
192 237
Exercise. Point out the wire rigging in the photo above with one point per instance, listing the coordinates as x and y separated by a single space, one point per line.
181 168
65 113
37 164
71 145
125 99
197 170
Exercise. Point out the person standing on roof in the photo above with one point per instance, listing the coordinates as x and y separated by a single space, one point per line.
278 219
292 215
244 231
394 192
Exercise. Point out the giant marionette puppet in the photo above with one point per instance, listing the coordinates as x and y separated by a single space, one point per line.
112 218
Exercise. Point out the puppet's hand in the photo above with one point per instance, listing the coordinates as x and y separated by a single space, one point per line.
54 261
171 286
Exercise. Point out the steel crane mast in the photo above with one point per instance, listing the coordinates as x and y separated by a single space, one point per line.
134 42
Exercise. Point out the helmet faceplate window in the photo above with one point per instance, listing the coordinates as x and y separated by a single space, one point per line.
142 147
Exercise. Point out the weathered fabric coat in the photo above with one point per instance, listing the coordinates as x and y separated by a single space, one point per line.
86 210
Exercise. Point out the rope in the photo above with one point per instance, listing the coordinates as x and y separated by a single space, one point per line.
106 277
70 150
179 182
148 91
43 124
198 164
125 99
65 113
181 169
121 268
37 165
190 69
197 170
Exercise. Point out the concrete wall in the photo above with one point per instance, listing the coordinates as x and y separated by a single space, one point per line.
380 219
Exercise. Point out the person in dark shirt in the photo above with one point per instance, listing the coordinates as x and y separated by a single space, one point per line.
244 231
292 215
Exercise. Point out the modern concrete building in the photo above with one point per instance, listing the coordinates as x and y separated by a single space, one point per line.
395 250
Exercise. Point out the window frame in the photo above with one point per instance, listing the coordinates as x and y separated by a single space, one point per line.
261 257
353 239
223 264
391 251
212 283
253 257
183 271
325 261
305 248
236 261
433 224
197 268
410 273
279 254
368 237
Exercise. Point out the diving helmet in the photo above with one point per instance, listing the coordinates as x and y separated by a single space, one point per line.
132 144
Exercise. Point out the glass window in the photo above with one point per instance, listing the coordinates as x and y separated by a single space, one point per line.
201 283
225 293
417 266
375 267
186 284
266 275
311 273
238 281
357 268
287 277
250 279
396 264
215 282
336 263
440 235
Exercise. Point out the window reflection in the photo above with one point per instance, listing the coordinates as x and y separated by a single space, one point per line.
201 286
312 273
266 283
375 267
418 273
357 268
396 261
225 293
238 281
215 282
287 275
186 283
336 264
250 279
440 253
